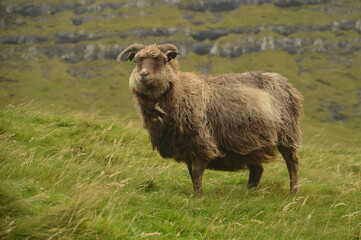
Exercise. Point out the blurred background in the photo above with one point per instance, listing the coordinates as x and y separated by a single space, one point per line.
63 52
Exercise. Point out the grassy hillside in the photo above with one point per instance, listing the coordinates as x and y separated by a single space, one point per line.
69 175
103 84
64 52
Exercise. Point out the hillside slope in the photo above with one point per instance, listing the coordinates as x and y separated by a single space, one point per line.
63 52
81 176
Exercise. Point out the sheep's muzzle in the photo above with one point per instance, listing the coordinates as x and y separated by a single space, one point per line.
146 71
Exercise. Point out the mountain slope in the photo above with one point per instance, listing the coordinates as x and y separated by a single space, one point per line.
56 52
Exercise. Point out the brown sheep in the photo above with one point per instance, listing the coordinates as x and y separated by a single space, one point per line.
223 122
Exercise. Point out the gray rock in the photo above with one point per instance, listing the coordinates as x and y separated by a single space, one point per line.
293 3
358 26
246 45
28 39
87 6
225 5
234 48
79 20
162 32
71 37
24 9
82 52
240 30
63 6
200 48
214 5
11 20
284 30
335 109
211 34
323 82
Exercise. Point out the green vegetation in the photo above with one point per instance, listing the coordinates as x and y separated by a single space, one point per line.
84 85
322 78
269 14
329 79
82 176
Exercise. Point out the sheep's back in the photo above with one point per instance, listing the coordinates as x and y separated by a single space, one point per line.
247 111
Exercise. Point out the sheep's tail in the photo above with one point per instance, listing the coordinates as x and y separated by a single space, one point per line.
290 134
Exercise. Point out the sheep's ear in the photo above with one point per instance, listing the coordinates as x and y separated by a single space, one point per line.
131 56
172 55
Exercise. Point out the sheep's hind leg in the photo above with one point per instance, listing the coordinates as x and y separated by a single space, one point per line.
255 174
196 170
189 165
290 156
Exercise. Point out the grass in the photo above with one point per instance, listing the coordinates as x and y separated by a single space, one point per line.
269 14
72 175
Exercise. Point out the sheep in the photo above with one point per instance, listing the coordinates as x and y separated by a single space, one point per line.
223 122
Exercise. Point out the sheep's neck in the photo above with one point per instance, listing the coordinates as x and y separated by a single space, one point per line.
159 119
160 107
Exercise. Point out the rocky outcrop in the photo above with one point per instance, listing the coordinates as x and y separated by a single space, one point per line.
291 45
24 9
28 39
73 37
335 111
344 25
239 46
90 6
83 19
211 34
79 8
82 52
226 5
157 32
243 39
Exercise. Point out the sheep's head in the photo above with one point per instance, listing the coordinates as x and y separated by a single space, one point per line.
155 67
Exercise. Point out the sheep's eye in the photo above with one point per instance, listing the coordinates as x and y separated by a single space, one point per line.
161 62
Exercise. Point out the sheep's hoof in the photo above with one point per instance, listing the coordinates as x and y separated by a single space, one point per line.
252 185
294 190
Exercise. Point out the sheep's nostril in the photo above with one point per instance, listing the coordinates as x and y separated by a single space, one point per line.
144 74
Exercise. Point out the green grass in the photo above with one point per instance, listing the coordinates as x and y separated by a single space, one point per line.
269 14
72 175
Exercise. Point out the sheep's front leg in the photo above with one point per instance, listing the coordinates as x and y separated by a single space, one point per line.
196 170
255 173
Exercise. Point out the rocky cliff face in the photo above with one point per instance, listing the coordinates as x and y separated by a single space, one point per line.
245 39
85 31
226 5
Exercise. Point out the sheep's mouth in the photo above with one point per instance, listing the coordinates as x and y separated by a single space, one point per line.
146 81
